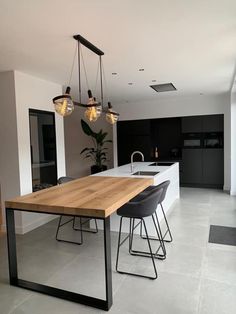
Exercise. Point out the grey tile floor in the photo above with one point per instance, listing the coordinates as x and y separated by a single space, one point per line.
196 278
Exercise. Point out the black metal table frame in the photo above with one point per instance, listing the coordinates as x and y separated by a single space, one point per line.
52 291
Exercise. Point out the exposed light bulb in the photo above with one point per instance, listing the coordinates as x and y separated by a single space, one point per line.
92 113
110 116
64 104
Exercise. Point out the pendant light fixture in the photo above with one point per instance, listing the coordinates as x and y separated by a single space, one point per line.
111 116
64 105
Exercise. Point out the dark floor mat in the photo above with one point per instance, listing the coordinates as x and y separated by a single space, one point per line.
222 235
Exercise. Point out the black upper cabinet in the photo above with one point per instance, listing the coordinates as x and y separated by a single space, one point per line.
131 136
146 135
166 136
134 127
213 123
199 124
192 124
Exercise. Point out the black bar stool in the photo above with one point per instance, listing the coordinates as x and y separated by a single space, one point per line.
62 180
164 186
140 209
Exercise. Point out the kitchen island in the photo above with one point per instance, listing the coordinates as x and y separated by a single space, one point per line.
159 173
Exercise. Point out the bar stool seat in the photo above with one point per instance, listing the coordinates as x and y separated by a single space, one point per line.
140 209
62 180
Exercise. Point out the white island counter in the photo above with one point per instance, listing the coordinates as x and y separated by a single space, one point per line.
164 173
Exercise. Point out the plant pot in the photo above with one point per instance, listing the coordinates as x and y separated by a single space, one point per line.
96 169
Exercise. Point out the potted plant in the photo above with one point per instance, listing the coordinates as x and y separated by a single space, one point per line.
98 153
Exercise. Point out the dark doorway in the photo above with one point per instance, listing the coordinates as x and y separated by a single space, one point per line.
43 149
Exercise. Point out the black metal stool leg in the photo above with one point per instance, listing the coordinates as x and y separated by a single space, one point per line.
152 255
167 225
86 230
162 243
147 254
62 224
119 244
130 236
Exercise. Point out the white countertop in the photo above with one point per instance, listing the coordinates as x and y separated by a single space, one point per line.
125 171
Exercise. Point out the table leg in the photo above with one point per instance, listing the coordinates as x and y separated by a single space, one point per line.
55 292
108 267
11 242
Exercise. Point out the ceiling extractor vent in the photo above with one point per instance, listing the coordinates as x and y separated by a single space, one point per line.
167 87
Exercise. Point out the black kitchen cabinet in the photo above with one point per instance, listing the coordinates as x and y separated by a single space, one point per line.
199 124
130 143
213 123
132 136
203 167
191 166
146 136
192 124
134 127
213 167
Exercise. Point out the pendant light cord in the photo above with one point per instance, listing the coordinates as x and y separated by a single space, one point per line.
85 72
105 82
73 64
96 82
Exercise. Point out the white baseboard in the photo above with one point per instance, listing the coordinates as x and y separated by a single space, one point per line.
232 192
31 226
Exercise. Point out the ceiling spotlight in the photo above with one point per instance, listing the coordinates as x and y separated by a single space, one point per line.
154 80
130 83
114 73
141 70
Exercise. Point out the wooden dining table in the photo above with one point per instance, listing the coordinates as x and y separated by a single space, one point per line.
94 197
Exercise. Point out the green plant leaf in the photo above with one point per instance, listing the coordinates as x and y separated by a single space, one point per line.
86 128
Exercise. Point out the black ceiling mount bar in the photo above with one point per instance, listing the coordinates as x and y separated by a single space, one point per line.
88 44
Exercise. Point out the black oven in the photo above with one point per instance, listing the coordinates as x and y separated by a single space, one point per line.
192 140
213 140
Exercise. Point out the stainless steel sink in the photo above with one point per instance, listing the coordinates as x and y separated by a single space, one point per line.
161 164
145 173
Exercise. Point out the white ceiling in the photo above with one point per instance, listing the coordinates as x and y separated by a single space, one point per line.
191 43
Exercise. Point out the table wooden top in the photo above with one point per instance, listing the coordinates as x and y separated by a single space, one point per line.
93 196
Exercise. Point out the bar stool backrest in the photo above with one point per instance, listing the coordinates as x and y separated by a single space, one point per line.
62 180
147 205
164 186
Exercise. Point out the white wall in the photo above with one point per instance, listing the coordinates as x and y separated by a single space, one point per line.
233 140
76 140
34 93
184 106
21 92
9 166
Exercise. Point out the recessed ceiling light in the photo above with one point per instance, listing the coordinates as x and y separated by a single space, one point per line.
154 80
114 73
201 94
141 70
130 83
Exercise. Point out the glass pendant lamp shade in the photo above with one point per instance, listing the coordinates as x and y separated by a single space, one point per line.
94 110
64 104
111 116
